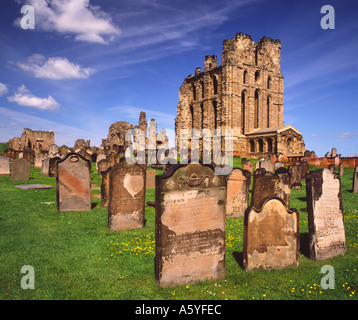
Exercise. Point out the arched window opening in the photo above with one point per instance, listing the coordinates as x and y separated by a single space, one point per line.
257 75
257 108
215 104
269 145
268 112
202 115
269 83
261 146
194 92
243 106
252 146
215 84
245 80
192 116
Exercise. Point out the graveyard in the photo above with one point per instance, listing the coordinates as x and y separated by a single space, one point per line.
80 255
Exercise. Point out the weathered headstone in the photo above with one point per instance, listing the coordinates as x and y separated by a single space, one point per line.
267 184
334 152
38 160
248 165
325 215
355 182
304 168
45 167
73 182
265 164
4 166
332 168
278 164
190 225
52 166
237 199
20 169
100 157
295 176
113 158
150 180
271 236
53 150
105 172
341 169
126 197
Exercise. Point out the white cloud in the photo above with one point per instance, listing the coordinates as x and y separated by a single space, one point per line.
54 68
3 89
347 135
24 98
76 17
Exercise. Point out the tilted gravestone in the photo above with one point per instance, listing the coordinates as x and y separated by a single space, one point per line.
325 215
73 183
126 197
20 169
4 166
237 200
271 236
267 184
189 225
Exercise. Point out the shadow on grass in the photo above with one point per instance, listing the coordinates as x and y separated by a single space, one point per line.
304 244
238 256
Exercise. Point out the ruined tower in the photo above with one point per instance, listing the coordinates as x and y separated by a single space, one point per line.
245 94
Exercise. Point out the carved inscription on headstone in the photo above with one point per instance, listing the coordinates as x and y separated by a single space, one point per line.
126 197
238 183
73 182
20 169
4 166
325 215
190 225
271 236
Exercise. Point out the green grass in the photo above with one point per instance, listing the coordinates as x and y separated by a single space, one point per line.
75 256
3 147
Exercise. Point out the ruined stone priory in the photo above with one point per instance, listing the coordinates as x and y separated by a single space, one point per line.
245 94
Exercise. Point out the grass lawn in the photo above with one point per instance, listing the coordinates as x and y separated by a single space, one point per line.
74 256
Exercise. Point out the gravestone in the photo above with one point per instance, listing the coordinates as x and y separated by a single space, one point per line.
325 215
341 169
237 199
53 150
45 167
73 183
20 169
355 181
150 180
52 166
4 166
113 158
248 166
304 168
267 184
33 186
190 225
271 236
105 172
103 165
278 165
265 164
100 157
38 160
332 168
295 176
334 152
126 197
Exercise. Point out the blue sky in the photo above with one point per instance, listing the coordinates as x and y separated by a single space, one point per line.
88 64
